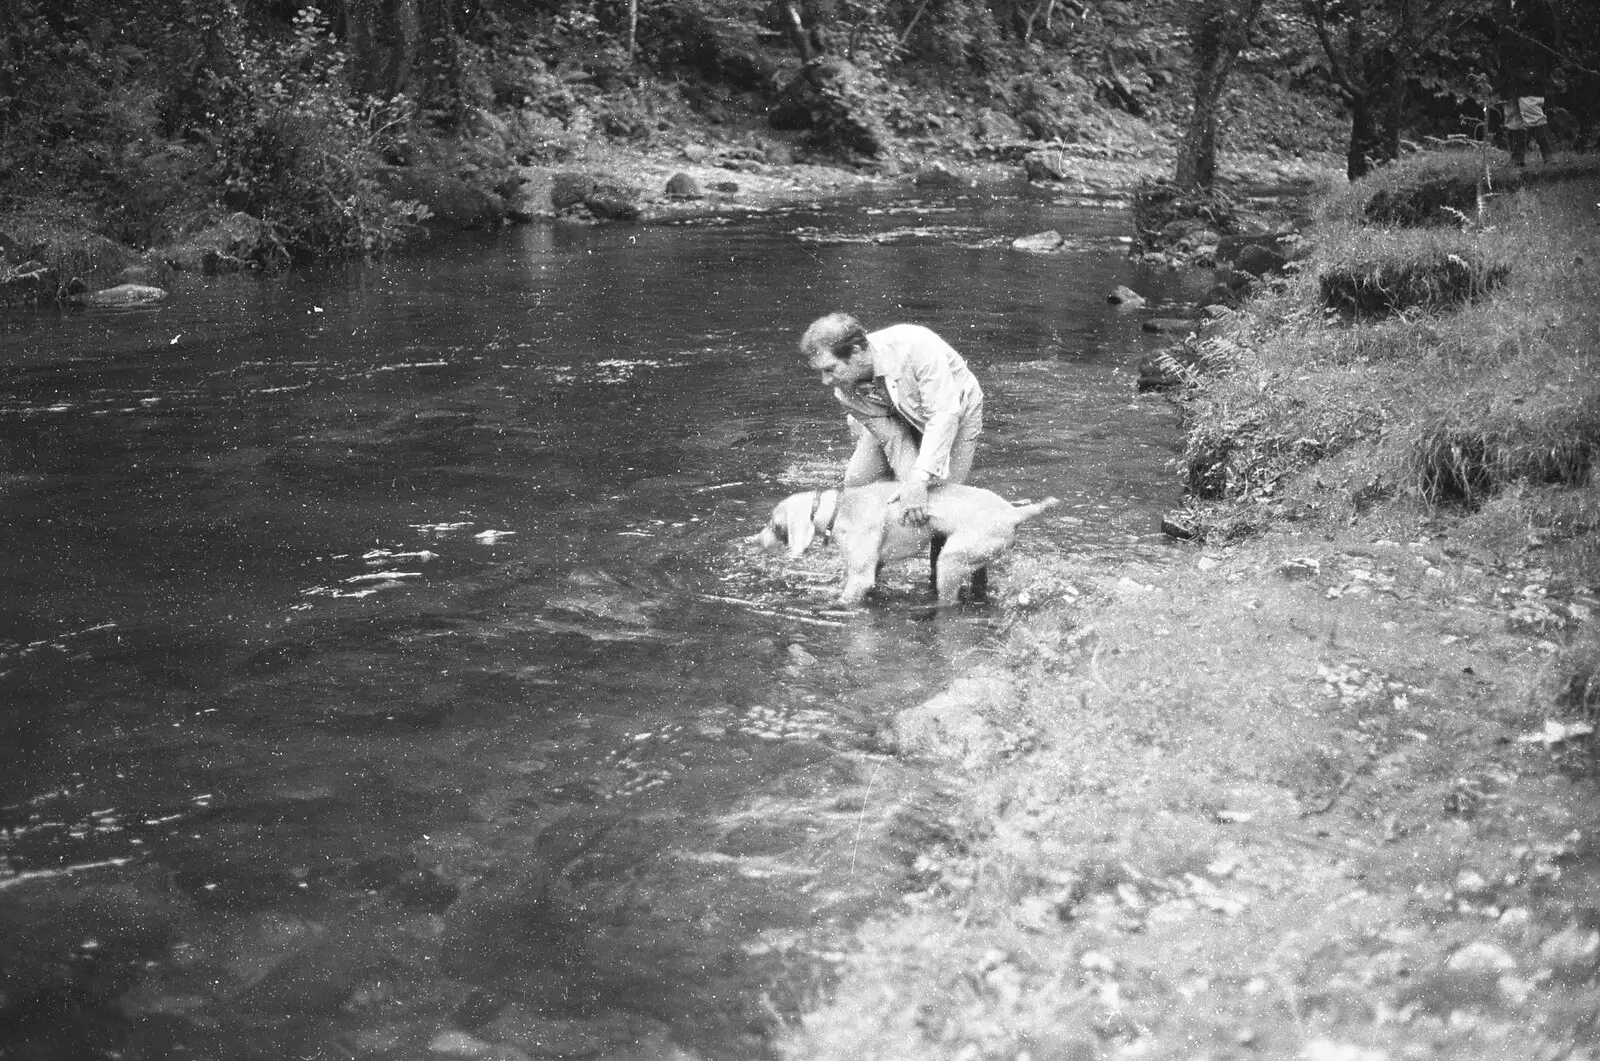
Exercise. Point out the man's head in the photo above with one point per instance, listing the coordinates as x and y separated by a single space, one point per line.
836 348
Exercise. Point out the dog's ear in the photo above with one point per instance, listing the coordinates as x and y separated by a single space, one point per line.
796 513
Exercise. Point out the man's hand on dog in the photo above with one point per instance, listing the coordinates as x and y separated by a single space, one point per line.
913 501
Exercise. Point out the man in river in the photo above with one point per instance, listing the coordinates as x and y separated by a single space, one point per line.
913 406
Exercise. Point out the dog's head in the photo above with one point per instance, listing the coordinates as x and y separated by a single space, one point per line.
797 519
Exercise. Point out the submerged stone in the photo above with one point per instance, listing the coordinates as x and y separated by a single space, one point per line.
1039 242
125 295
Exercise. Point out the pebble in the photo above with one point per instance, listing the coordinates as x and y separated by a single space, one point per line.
1573 950
1481 956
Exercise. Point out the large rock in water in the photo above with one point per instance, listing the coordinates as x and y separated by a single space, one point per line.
1039 243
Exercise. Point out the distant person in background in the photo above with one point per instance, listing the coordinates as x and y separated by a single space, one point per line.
1527 59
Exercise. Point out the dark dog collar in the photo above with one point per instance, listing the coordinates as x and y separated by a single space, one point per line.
816 506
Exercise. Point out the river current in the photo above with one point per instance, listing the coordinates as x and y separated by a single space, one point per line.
384 669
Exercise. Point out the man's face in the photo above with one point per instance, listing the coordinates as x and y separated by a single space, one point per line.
840 372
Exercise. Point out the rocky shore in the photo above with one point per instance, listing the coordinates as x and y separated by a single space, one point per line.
742 171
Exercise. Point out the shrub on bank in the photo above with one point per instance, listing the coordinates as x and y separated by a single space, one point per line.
149 130
297 148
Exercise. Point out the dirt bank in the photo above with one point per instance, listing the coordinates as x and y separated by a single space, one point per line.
1309 796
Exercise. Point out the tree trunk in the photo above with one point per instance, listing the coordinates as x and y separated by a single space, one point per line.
1364 137
1375 114
1197 153
439 54
407 47
796 30
1219 36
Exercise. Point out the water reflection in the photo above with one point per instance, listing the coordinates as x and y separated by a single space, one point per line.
384 662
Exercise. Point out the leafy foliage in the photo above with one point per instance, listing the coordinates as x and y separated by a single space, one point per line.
296 149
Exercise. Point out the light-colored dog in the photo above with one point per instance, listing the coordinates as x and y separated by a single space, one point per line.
978 525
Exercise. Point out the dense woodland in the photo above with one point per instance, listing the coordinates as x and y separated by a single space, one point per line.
143 119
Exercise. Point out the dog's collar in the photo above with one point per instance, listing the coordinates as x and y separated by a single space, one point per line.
816 509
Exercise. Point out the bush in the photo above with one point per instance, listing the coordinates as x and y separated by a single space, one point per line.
298 150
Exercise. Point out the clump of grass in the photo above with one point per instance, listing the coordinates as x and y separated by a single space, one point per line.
1389 193
1443 200
1234 453
1467 461
1384 285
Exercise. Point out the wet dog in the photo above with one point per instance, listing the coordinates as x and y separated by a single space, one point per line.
977 526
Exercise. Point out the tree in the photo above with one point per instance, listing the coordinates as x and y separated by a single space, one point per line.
1217 34
1371 46
408 47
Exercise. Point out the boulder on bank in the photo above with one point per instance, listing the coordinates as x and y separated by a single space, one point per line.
997 127
1259 260
614 202
683 186
1260 253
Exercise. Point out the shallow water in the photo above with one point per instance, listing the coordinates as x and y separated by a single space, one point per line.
383 660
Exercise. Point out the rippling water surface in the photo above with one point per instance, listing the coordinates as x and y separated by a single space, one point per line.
383 669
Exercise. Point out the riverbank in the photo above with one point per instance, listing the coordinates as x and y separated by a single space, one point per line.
1322 785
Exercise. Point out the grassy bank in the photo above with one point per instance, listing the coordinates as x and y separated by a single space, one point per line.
1321 786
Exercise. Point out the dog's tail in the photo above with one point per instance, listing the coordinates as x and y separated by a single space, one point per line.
1026 512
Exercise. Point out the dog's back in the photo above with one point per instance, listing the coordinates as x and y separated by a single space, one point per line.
981 518
955 506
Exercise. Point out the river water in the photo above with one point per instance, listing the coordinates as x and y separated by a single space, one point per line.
383 669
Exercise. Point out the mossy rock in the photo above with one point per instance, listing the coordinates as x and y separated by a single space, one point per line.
1368 290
